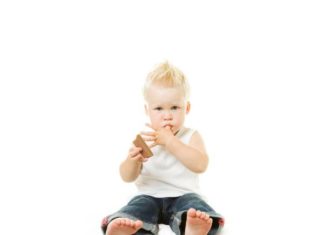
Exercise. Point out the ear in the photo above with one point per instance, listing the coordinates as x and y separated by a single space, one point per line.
188 107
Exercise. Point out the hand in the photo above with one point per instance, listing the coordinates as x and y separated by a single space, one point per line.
134 154
161 136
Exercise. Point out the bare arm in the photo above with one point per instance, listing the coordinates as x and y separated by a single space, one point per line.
131 167
193 155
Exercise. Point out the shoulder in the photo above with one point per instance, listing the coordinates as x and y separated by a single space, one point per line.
196 136
197 141
192 135
188 131
185 134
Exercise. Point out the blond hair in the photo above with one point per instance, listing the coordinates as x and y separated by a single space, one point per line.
167 75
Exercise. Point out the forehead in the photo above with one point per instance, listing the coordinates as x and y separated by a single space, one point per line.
159 94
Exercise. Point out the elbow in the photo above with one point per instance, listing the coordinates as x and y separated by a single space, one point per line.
127 179
201 169
127 176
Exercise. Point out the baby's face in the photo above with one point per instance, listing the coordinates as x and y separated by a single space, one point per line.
166 106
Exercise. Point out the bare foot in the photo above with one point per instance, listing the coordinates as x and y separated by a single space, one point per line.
198 223
123 226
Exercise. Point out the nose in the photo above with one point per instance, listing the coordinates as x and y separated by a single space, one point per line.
167 115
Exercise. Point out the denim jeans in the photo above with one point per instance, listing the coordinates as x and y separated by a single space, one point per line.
170 210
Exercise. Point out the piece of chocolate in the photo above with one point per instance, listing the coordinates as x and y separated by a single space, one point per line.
139 142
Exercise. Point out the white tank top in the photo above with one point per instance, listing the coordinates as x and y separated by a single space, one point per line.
164 176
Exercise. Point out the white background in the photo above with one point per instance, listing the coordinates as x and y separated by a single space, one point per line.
70 103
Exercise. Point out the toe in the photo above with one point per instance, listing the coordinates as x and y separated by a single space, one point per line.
198 213
192 212
206 216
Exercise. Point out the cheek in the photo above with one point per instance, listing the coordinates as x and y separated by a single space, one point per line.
181 116
154 118
155 123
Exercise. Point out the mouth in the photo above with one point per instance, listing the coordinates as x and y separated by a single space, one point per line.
168 126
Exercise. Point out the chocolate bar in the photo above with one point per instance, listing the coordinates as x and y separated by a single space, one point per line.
139 142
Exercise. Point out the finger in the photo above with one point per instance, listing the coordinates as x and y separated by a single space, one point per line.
135 151
152 145
148 133
141 158
149 138
138 157
134 148
138 149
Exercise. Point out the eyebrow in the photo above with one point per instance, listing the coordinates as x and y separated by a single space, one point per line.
173 104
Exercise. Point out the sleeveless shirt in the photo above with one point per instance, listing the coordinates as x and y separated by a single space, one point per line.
165 176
